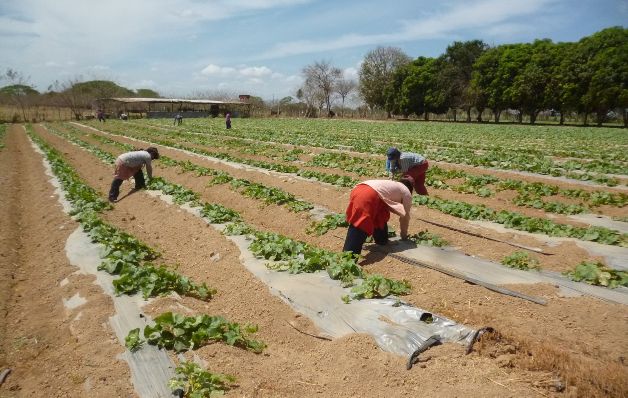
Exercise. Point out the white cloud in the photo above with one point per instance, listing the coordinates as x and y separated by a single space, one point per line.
454 19
242 70
215 70
114 30
255 71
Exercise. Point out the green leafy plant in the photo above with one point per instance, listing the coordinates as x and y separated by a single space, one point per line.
195 382
328 223
596 273
133 341
377 286
154 281
520 260
181 333
427 239
238 228
218 214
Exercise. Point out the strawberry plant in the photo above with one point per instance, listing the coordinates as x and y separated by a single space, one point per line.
275 247
154 281
218 214
3 130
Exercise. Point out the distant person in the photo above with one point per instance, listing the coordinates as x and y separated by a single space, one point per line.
409 164
178 119
129 165
228 120
370 205
101 116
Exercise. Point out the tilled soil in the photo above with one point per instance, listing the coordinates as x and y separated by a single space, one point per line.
563 340
52 351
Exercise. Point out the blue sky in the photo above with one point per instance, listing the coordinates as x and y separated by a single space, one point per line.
259 47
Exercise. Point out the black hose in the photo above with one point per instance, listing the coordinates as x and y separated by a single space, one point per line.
432 341
478 333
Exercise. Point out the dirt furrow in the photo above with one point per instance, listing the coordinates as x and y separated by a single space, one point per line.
49 347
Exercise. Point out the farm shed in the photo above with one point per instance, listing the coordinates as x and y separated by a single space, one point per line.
169 107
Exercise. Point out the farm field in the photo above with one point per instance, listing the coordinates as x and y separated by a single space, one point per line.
548 202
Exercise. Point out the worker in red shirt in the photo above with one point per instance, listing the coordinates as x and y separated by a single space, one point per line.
370 205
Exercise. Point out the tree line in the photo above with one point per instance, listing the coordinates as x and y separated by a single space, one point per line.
575 79
572 80
74 97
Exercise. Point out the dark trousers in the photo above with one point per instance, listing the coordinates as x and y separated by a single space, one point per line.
114 191
356 237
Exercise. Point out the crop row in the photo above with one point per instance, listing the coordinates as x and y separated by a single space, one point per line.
586 143
499 156
524 223
125 256
529 193
276 247
300 256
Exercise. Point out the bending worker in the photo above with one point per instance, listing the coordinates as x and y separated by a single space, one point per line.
410 165
370 204
130 164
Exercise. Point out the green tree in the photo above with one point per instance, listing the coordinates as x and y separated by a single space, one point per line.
376 74
494 75
457 71
484 82
607 52
415 89
529 90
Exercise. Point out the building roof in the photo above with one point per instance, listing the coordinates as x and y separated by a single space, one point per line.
170 101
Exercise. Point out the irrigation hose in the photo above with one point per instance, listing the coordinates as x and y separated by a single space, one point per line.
532 249
432 341
487 285
476 336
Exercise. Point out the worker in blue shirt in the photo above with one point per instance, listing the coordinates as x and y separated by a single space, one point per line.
409 164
